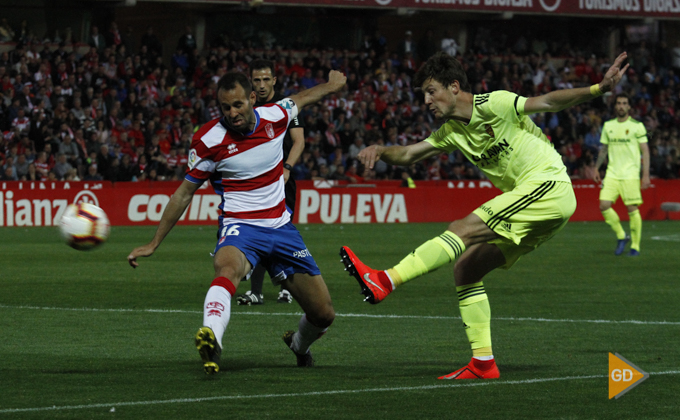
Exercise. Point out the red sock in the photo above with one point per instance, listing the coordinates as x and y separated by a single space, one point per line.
226 283
483 364
385 281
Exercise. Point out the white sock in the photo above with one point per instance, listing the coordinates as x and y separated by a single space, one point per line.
307 334
484 358
217 311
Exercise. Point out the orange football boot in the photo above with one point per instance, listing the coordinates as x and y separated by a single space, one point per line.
476 369
375 284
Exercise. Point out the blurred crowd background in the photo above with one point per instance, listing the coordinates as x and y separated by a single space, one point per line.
122 106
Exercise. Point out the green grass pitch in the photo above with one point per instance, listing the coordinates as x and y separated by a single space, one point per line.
86 336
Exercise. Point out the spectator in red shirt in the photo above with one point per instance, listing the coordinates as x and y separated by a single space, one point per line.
50 153
352 174
135 132
212 111
168 111
164 143
21 122
7 84
126 144
298 68
172 165
114 39
182 160
23 146
42 168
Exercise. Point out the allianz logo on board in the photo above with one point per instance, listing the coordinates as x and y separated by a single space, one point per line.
21 211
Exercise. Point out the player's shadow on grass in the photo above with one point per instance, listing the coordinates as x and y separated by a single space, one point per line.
286 362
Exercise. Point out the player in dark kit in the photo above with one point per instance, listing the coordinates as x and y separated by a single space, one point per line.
263 79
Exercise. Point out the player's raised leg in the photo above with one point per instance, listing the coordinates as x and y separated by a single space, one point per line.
311 293
470 269
428 257
230 263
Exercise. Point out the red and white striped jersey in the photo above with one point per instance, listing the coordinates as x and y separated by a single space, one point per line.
21 123
250 166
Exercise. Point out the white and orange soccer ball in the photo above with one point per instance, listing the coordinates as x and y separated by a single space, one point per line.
84 226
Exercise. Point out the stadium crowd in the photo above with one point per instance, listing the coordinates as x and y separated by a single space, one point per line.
121 113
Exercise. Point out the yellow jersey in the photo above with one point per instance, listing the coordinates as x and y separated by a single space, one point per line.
502 142
623 142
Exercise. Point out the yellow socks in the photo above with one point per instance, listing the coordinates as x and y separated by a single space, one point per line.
614 222
472 299
427 257
635 229
476 314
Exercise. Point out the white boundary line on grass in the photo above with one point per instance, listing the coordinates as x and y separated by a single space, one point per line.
669 238
348 315
312 394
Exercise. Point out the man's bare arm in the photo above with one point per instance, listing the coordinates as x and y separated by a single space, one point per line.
397 155
601 156
336 81
173 211
564 98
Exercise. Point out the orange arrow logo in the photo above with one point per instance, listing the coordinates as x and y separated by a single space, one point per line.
623 375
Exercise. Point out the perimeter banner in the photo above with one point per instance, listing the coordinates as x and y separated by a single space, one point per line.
663 9
26 204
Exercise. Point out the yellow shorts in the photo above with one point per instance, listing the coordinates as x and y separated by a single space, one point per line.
628 189
527 216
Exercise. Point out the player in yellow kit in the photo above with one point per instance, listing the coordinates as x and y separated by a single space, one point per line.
494 132
623 139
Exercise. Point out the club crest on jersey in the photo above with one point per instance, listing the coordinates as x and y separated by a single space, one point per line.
489 130
627 132
193 158
232 148
270 130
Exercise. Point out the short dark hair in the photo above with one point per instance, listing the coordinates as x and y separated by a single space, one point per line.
444 69
261 64
622 95
229 81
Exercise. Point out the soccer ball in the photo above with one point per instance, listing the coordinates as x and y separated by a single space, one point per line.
84 226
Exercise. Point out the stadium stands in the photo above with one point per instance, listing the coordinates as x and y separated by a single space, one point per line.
123 114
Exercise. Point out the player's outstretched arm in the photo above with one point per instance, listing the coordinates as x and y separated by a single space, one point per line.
173 211
336 81
560 99
397 155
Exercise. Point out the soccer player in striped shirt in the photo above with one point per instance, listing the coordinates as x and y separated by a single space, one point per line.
263 78
495 133
623 140
245 147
